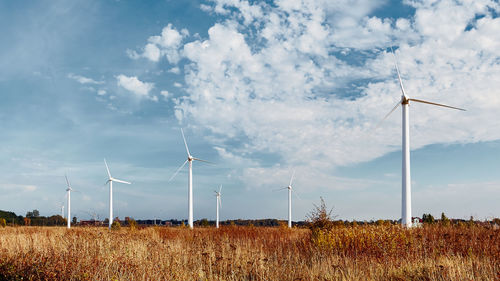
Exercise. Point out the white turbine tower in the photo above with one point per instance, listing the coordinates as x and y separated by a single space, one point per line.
190 159
68 195
218 204
290 190
110 181
406 180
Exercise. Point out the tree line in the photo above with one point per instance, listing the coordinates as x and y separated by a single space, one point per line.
32 218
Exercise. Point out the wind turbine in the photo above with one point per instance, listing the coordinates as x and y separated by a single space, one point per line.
218 203
406 180
190 159
111 180
68 195
290 189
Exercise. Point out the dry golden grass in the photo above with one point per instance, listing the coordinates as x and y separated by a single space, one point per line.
250 253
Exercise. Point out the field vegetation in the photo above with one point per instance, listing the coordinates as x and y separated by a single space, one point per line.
329 252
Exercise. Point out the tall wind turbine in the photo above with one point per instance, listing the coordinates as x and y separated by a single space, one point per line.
290 190
190 159
218 203
111 180
68 195
406 180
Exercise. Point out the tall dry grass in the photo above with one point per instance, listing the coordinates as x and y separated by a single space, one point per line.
250 253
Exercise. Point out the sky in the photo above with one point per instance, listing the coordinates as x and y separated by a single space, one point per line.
261 89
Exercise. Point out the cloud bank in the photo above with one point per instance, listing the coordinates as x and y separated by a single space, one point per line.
307 81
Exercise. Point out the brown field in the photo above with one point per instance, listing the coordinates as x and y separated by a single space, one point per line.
250 253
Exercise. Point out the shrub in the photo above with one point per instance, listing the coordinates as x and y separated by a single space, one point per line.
132 224
320 217
3 223
116 225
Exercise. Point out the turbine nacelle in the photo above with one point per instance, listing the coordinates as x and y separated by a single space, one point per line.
405 99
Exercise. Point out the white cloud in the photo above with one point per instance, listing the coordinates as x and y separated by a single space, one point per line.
101 92
174 70
83 80
165 94
165 45
137 87
178 85
18 187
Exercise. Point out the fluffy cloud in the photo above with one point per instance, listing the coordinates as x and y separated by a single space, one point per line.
165 45
306 81
137 87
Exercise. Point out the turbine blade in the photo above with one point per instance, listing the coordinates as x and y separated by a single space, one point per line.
291 179
177 171
296 195
107 168
387 115
198 159
67 181
121 181
438 104
220 188
278 189
185 143
397 70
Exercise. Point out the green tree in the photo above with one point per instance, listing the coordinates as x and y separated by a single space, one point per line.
445 220
116 225
33 214
204 222
131 223
428 218
74 220
3 223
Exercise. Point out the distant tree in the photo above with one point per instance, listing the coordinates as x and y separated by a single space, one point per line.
27 221
74 220
428 218
131 223
3 223
445 220
204 222
33 214
471 221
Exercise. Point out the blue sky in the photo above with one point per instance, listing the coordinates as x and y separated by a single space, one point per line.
261 88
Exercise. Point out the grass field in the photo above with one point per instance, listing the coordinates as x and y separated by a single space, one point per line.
250 253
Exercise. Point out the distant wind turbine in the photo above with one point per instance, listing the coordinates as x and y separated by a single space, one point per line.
218 204
190 159
68 195
290 190
62 210
406 180
110 181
